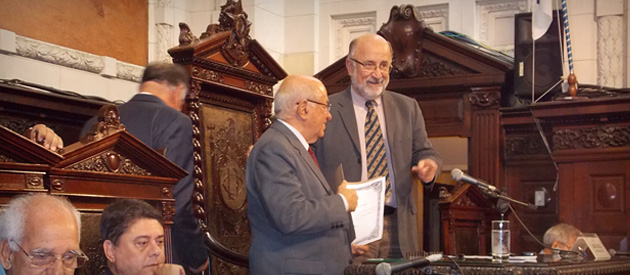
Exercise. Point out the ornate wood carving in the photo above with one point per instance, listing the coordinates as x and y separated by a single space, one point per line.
465 201
405 30
524 145
485 99
168 210
602 136
108 122
57 185
110 162
34 181
434 66
4 158
208 75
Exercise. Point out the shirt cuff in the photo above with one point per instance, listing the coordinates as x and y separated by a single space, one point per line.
345 203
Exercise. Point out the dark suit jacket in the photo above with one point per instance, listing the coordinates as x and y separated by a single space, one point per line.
408 143
298 224
157 125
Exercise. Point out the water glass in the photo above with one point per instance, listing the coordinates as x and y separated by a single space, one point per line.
500 240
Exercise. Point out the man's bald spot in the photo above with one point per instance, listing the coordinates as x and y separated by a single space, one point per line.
371 40
299 82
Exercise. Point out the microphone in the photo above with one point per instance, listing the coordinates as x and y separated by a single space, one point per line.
458 175
614 252
389 268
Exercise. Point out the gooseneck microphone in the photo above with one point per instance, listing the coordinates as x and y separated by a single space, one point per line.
389 268
458 175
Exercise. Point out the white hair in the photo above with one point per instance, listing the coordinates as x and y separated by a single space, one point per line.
14 215
293 89
561 232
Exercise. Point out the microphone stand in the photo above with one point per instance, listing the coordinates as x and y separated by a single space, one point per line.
501 196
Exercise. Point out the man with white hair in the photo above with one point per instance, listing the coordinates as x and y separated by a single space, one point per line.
40 235
561 236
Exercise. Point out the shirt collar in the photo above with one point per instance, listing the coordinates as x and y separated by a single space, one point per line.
358 100
296 133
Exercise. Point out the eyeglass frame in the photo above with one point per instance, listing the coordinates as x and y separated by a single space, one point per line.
365 66
78 253
328 106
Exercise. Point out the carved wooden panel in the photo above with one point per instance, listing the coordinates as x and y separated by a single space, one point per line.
599 188
228 135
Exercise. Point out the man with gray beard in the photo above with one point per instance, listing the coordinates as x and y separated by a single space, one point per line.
375 132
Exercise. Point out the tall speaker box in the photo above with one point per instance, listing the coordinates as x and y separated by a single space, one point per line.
548 69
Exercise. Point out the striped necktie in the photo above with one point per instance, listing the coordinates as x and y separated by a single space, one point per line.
375 148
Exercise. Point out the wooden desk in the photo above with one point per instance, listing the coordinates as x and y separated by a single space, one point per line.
617 265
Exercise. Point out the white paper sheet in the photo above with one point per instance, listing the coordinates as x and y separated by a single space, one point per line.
368 216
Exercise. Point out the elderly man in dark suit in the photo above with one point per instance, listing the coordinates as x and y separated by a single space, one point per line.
375 132
154 117
298 224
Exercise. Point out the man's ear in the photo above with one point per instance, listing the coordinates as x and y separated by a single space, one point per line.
302 112
6 255
110 251
349 66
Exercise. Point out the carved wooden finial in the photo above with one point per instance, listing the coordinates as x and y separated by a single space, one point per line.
404 31
233 18
186 37
108 123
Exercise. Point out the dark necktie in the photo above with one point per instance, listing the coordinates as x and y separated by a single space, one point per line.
310 151
375 148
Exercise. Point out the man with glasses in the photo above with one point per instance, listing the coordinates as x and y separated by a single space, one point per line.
375 132
133 240
298 224
40 235
154 117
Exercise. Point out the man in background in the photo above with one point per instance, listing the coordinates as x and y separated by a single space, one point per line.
133 240
40 235
298 224
560 236
154 117
375 132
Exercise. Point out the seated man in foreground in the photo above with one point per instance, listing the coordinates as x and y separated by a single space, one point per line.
40 235
133 239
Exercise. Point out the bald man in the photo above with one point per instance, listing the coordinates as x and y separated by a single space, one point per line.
375 132
298 224
40 235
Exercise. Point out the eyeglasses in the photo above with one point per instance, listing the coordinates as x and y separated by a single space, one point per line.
371 67
70 259
328 106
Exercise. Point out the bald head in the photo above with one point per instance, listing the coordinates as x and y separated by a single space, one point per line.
302 102
294 89
369 43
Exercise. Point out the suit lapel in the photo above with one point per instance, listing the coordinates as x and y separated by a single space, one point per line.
295 142
347 116
390 121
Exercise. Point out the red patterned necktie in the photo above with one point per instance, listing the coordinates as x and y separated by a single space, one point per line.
310 151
